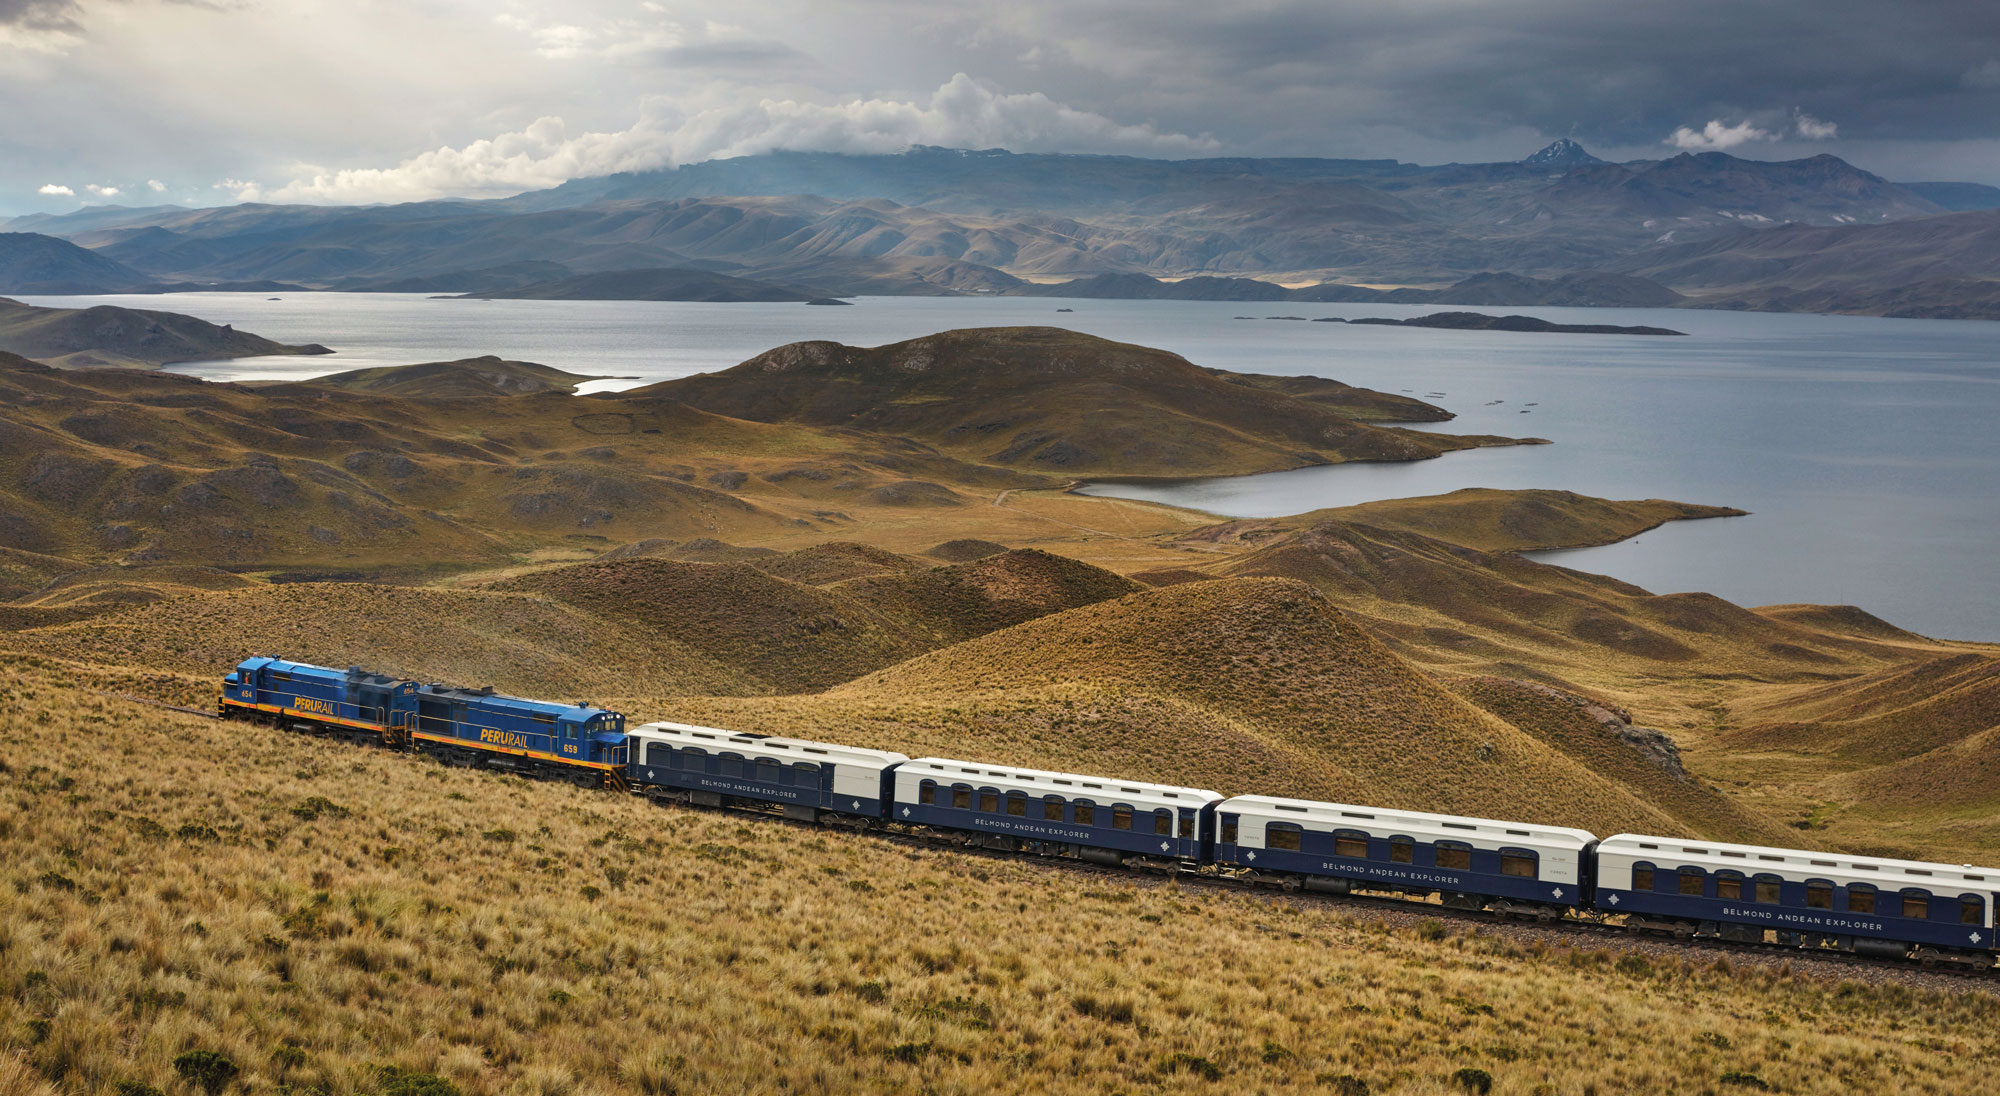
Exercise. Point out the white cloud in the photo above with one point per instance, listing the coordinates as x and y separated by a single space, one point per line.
1716 135
156 186
56 190
242 190
1983 76
1810 128
102 191
961 113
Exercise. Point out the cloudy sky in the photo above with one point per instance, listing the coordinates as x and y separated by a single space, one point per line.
142 102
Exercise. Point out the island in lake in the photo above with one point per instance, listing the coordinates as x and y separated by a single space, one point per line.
1479 321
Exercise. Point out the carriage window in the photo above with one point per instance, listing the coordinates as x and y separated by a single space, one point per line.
1017 805
961 798
805 774
1187 826
1280 836
1819 896
769 772
1121 818
1767 889
1514 863
660 754
1052 808
1229 829
1163 823
1860 898
1086 814
732 765
927 792
1451 854
1345 845
1693 881
1642 877
989 802
1971 911
1729 885
1916 905
1402 850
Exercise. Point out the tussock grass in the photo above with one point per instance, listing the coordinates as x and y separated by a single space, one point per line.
178 922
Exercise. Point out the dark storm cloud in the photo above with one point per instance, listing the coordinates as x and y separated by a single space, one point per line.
382 101
39 14
1619 72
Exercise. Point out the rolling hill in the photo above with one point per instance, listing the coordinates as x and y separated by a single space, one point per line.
106 336
484 376
1054 401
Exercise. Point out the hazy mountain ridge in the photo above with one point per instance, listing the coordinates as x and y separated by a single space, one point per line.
935 220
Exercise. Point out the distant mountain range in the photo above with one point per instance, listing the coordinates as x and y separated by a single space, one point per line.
935 220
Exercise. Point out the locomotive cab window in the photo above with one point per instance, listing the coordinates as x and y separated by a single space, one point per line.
1768 889
1642 877
1916 904
1971 910
1693 881
1052 808
961 798
1454 854
1402 850
1860 898
1283 835
1729 884
1517 862
1819 896
1350 844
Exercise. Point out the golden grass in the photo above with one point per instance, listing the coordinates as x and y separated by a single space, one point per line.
339 921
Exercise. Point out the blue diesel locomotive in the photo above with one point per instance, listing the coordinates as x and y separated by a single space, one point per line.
470 727
1935 913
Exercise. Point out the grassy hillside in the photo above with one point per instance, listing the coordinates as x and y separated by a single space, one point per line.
521 643
109 336
1487 519
1237 685
285 915
1051 400
485 376
135 468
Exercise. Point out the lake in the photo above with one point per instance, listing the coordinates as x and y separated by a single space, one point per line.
1867 449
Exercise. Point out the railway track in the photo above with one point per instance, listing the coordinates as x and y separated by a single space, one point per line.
1395 909
1413 913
